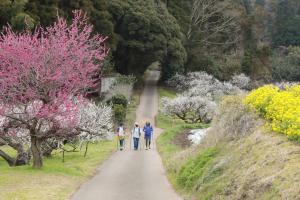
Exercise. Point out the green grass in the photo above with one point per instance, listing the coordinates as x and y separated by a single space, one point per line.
193 169
131 110
166 92
57 179
190 171
257 165
184 172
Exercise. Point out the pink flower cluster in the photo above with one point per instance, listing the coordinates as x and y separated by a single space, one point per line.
44 74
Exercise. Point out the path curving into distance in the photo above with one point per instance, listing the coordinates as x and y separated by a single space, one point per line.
133 175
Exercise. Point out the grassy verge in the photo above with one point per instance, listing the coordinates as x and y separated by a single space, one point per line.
251 165
181 172
57 179
131 110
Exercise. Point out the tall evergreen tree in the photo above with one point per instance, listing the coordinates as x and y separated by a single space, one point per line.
287 24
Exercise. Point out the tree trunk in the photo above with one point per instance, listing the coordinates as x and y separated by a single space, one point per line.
36 152
22 157
7 158
63 155
86 149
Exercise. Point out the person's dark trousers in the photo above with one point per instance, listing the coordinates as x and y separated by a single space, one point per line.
136 143
148 142
122 144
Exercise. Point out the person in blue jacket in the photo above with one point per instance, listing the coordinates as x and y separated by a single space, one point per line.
148 130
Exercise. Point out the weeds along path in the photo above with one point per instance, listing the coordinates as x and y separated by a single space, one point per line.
133 175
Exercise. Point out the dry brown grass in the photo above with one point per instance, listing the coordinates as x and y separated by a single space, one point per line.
252 163
233 121
259 164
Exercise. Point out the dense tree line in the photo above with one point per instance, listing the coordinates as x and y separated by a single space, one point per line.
220 37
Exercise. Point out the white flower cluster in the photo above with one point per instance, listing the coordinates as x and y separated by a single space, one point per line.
199 93
241 80
190 109
95 122
205 85
11 133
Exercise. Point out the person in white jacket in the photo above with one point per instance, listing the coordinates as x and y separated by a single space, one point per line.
136 134
121 136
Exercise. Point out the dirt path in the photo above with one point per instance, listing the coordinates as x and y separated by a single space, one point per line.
132 175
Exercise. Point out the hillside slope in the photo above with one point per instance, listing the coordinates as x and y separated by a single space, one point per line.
234 161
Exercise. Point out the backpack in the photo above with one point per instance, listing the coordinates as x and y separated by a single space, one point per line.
139 130
120 131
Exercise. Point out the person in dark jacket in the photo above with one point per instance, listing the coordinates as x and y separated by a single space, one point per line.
148 130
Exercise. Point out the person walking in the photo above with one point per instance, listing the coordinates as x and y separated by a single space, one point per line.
136 134
148 130
121 136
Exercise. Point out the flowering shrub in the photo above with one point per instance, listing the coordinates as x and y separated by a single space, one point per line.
242 81
260 98
281 107
200 92
190 109
205 85
41 71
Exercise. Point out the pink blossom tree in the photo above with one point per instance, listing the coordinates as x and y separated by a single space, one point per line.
45 74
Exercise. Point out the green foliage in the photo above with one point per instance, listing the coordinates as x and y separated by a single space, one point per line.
165 92
141 32
44 12
22 21
194 168
247 61
287 24
286 67
180 10
147 33
13 12
119 113
119 99
119 104
123 79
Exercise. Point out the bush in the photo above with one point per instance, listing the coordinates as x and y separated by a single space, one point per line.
119 99
287 67
233 121
119 113
190 109
281 107
259 99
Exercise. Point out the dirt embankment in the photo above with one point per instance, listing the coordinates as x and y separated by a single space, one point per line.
182 139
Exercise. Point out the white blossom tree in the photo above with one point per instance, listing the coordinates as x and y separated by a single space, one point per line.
202 84
241 80
94 124
199 94
190 109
